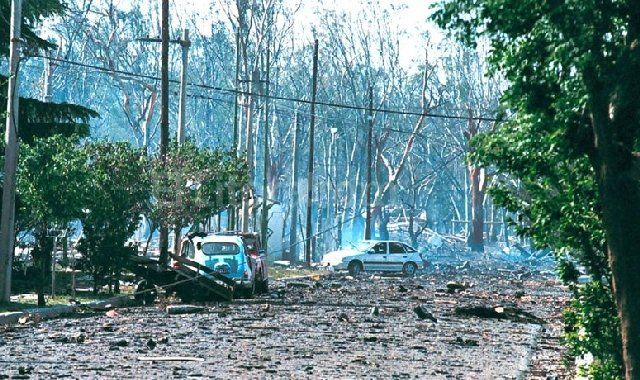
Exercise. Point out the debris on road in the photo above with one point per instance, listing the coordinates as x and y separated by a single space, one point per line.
453 286
424 313
335 330
498 312
169 359
184 309
465 342
113 313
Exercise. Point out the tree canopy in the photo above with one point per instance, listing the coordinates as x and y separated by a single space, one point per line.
574 124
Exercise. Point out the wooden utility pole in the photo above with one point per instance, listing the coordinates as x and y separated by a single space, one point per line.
248 193
236 129
264 217
180 135
293 231
49 67
163 241
367 221
185 44
231 210
7 218
314 90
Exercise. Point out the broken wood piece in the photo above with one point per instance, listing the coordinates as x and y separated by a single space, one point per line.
453 286
513 314
169 359
423 313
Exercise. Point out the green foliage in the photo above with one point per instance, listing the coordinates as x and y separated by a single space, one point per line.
33 12
194 183
51 182
118 192
590 329
561 58
39 119
50 191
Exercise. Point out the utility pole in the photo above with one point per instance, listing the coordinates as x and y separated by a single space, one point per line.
185 44
236 129
314 90
264 220
293 231
248 193
7 218
367 222
163 239
46 80
231 210
180 136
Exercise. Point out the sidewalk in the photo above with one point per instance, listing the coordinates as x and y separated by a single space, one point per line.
13 317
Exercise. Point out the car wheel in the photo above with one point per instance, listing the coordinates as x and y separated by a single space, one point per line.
409 269
355 268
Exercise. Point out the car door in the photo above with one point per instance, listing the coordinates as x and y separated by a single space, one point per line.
376 257
397 256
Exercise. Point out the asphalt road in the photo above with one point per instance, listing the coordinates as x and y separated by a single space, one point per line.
337 327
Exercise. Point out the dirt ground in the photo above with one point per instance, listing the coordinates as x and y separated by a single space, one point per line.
334 328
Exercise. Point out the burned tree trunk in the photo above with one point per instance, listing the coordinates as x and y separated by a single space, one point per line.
475 241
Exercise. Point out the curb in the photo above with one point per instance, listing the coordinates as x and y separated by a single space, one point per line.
12 317
304 277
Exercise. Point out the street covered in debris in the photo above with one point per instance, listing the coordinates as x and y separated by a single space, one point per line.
491 319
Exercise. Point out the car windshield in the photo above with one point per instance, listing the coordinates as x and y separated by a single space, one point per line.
220 248
363 246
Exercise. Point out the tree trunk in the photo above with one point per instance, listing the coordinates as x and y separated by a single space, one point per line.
476 238
293 248
163 245
176 239
476 182
96 283
621 207
42 262
383 230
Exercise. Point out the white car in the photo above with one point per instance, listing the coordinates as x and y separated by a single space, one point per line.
376 255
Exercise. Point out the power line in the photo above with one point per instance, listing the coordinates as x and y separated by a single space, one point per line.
274 97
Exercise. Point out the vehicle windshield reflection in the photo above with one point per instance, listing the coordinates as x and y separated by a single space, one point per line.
363 246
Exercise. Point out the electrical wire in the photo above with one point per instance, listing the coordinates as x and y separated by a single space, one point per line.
274 97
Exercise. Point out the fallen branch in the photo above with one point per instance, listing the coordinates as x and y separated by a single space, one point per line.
498 312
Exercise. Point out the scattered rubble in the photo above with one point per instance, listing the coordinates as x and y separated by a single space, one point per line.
498 312
184 309
423 313
333 327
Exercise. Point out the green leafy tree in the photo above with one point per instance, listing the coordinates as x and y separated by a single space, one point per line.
38 119
194 183
118 192
572 69
52 180
556 195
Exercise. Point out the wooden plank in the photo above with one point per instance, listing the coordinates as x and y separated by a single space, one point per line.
203 268
221 290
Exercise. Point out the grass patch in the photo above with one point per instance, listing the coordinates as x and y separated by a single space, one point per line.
30 300
278 273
